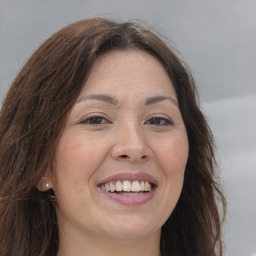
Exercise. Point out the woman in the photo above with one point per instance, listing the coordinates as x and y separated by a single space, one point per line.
104 150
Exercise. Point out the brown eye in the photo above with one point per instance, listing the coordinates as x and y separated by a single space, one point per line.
159 121
95 120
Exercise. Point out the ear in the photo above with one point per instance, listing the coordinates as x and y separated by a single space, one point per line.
45 183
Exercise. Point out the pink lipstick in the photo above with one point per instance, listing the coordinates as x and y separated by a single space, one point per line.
129 188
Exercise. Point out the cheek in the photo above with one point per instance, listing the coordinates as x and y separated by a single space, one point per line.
77 153
173 154
75 162
173 157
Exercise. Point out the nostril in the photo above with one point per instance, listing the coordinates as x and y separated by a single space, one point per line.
126 156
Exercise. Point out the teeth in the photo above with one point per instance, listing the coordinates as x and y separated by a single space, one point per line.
142 186
119 186
147 186
131 194
107 187
135 186
127 186
112 187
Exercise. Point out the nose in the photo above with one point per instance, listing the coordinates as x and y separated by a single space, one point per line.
131 145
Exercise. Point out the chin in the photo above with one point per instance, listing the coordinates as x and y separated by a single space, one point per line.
133 227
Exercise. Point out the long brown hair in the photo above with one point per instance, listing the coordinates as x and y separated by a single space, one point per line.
34 113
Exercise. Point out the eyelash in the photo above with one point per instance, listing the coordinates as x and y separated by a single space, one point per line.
93 120
100 120
161 121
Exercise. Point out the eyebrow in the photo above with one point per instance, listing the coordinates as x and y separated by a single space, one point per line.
156 99
101 97
113 101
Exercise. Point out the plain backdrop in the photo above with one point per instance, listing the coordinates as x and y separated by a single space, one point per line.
216 38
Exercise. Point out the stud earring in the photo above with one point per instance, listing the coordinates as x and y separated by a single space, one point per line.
47 185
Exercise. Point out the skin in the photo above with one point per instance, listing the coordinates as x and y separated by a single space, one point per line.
125 138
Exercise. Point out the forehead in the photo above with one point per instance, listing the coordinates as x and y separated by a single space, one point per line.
128 71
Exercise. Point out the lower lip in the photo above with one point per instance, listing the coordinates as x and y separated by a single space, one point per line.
130 200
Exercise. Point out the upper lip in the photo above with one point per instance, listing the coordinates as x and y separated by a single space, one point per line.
140 176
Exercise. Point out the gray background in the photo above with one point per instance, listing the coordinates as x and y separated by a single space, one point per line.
217 39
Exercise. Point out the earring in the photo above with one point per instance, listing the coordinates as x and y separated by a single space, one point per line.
51 195
53 198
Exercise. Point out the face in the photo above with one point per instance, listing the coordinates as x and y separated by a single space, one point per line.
120 160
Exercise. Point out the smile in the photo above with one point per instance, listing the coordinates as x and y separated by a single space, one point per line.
129 188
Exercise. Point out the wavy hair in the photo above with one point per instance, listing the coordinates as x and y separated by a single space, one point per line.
34 113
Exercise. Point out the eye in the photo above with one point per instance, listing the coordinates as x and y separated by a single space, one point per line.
94 120
159 121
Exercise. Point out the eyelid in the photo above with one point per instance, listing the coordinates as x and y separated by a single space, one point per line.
161 116
94 115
